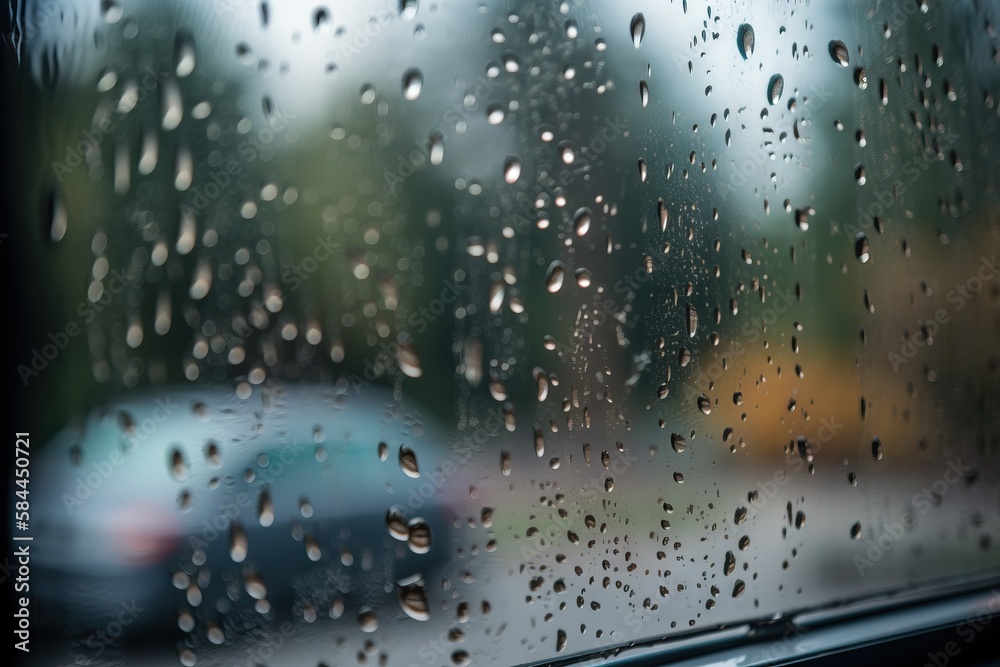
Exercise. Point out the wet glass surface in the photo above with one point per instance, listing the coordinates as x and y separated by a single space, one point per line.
421 333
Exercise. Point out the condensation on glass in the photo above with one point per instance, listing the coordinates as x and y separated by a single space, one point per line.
436 333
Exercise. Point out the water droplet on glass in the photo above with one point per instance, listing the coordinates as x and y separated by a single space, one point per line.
396 524
367 620
729 564
637 29
512 170
413 601
408 462
436 148
413 82
692 320
861 247
178 466
555 276
419 538
265 509
839 53
255 587
582 220
505 464
774 88
495 114
184 54
237 542
861 78
745 40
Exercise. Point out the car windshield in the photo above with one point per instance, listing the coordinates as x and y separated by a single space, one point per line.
445 333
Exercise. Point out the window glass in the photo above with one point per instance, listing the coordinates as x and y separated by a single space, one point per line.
421 333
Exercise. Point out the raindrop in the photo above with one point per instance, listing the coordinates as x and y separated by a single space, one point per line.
637 29
409 362
692 320
729 564
436 148
396 524
184 54
839 53
413 82
861 250
512 170
774 88
56 219
367 620
265 509
555 276
237 542
861 78
566 153
419 538
413 601
178 466
581 221
495 114
321 20
678 442
255 587
740 516
745 40
408 462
